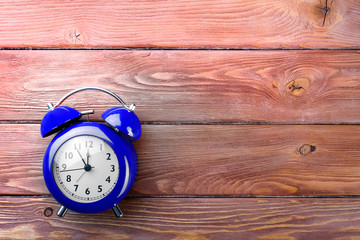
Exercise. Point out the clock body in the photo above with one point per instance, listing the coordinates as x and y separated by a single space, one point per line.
89 167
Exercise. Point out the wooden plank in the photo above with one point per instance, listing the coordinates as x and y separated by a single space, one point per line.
181 23
188 86
204 218
231 160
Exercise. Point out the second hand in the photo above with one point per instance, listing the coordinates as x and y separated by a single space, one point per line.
81 176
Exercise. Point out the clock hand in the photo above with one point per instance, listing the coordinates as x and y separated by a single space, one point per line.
87 167
81 176
72 170
87 157
81 156
75 169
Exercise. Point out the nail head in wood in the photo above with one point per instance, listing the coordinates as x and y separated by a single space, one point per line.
48 212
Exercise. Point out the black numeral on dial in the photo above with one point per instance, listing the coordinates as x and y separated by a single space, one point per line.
68 178
108 179
108 156
76 187
99 188
87 191
112 168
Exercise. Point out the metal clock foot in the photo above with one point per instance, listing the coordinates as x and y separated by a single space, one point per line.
117 211
62 211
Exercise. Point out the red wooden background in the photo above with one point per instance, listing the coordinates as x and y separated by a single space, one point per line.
250 114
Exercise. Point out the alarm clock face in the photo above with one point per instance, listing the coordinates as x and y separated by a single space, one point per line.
85 169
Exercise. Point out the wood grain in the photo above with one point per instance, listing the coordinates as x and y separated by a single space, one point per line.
188 86
203 174
181 23
205 160
181 218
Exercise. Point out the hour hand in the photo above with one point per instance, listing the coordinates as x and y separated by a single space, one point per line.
87 157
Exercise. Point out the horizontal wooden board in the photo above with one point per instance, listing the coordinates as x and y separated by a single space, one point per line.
148 218
181 23
188 86
231 160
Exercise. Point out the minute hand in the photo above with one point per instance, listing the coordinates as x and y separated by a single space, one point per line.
81 156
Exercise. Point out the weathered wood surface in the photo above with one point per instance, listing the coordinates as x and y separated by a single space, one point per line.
182 218
182 23
194 167
188 86
211 160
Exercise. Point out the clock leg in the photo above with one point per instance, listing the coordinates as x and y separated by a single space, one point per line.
62 211
117 211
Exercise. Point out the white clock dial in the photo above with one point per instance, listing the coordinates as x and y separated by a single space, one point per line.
85 169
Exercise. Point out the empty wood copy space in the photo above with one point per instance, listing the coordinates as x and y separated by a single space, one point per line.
250 115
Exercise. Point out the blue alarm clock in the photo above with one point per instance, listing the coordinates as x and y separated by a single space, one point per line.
89 167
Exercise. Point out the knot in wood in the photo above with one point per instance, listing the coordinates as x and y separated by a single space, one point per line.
298 86
74 36
306 149
324 14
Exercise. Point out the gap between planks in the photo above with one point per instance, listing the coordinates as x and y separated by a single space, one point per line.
202 197
177 49
206 123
